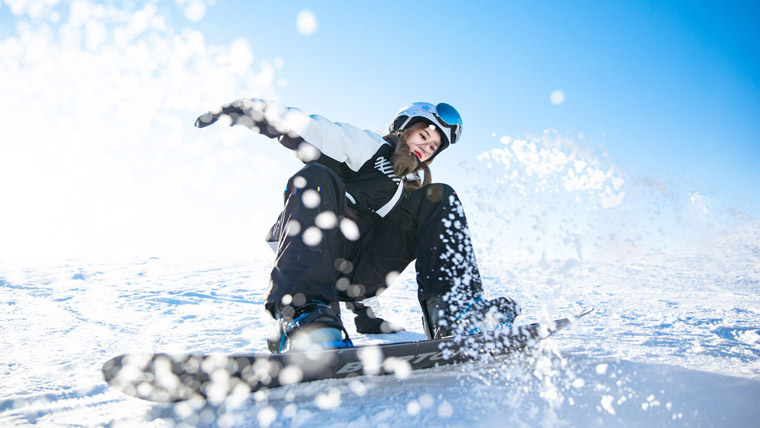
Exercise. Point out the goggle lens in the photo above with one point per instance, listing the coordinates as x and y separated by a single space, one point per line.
448 114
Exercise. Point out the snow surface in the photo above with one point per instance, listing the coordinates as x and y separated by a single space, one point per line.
673 341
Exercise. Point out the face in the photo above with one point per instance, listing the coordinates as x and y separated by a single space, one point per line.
424 142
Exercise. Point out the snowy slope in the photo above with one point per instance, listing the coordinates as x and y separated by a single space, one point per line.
672 342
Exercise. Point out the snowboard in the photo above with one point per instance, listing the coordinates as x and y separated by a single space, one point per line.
170 378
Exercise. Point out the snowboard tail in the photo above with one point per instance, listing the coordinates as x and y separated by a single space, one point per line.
171 378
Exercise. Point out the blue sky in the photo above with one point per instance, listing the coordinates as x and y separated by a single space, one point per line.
666 86
99 100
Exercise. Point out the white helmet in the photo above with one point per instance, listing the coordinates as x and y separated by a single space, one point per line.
443 116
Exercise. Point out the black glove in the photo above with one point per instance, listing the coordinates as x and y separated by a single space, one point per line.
249 113
368 323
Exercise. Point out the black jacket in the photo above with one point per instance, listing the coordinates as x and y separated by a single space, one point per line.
360 158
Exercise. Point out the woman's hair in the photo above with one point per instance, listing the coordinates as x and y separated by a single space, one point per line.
404 162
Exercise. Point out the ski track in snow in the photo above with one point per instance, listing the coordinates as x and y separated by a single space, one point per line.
674 341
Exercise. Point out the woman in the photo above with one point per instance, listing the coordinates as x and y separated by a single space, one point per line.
361 210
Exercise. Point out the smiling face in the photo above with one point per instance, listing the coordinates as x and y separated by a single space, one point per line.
423 141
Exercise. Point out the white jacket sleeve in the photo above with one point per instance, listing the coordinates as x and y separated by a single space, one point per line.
339 141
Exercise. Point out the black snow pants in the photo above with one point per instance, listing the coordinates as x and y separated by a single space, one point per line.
324 255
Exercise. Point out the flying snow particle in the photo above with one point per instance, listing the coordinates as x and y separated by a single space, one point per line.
391 277
290 411
699 201
307 152
371 358
607 404
349 229
426 401
343 284
557 97
326 220
329 400
266 416
413 407
293 228
306 22
356 290
311 198
312 236
241 55
401 368
291 374
299 182
237 398
195 10
358 388
445 410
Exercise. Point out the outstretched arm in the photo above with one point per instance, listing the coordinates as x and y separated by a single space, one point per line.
339 141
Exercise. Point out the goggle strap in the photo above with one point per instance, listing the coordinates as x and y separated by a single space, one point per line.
440 121
445 124
406 122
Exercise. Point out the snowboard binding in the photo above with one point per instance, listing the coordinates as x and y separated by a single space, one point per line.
442 319
315 325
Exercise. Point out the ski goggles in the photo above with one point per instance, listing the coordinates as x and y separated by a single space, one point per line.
448 117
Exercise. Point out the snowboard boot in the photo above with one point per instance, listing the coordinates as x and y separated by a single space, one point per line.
442 319
310 327
368 323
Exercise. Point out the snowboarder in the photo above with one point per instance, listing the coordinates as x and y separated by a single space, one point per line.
361 209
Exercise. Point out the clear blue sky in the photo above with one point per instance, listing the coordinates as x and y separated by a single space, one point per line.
668 87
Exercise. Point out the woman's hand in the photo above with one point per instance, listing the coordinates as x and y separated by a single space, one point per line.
244 111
